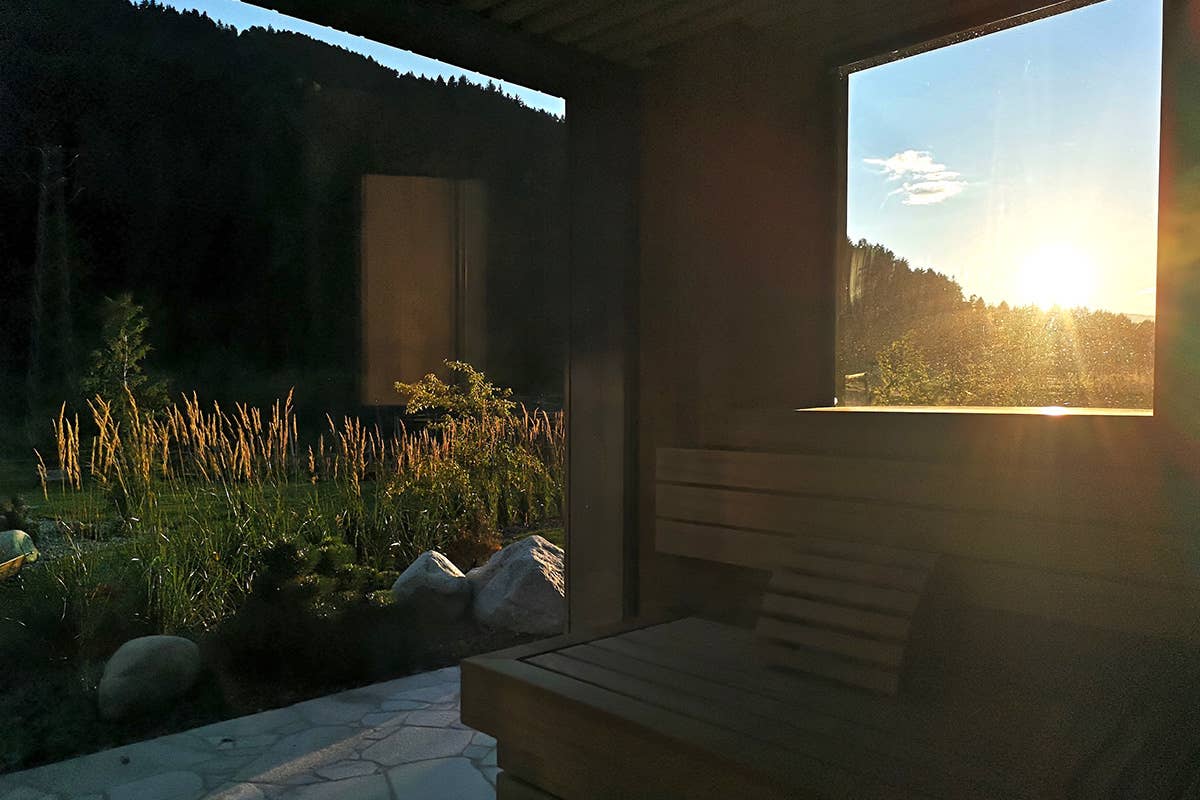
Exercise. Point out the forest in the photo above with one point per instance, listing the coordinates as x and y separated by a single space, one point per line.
214 175
909 337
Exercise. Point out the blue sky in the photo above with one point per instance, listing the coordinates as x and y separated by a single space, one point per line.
242 16
1024 163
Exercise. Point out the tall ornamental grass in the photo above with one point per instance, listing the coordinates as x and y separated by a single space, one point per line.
201 493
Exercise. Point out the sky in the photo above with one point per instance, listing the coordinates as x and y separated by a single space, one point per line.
1024 163
243 16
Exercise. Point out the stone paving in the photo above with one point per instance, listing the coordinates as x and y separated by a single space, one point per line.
400 740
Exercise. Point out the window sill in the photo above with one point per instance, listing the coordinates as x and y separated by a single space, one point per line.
1046 411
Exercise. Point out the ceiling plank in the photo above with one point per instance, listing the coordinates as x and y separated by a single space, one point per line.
730 12
511 11
479 5
563 13
617 13
785 13
660 17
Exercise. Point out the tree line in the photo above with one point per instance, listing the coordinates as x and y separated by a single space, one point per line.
215 176
910 337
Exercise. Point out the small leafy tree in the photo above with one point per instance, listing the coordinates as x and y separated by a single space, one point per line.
470 396
117 372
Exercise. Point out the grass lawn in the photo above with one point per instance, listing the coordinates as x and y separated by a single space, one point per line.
19 477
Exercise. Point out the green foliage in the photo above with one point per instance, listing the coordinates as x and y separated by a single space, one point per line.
469 396
118 371
919 342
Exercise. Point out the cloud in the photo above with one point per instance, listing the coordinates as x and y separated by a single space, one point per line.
923 180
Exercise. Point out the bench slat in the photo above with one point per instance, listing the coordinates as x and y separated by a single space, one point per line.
811 662
858 595
883 575
869 623
887 654
763 711
844 755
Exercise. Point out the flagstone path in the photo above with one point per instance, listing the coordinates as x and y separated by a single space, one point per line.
396 740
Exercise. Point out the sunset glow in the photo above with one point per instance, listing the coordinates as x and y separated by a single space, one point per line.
1059 275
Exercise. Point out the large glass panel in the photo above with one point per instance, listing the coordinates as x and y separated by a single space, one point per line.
1002 199
283 314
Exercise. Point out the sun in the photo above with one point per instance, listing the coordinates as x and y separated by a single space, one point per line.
1057 275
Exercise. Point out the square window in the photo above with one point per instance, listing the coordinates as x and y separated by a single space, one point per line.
1002 217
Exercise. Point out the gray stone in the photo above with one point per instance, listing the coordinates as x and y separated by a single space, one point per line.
476 751
490 773
276 720
300 753
417 744
433 587
242 742
98 772
432 719
444 778
384 719
25 793
333 710
483 739
347 769
403 704
522 588
167 786
17 543
368 787
445 693
147 674
240 791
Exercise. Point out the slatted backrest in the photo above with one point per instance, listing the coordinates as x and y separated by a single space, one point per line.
851 542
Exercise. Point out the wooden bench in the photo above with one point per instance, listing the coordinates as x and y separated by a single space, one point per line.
900 651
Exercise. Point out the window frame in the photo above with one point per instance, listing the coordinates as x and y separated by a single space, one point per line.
923 41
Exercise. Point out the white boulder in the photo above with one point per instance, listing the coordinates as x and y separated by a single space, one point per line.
147 674
522 588
433 587
17 543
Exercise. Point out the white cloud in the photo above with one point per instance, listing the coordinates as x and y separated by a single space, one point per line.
924 181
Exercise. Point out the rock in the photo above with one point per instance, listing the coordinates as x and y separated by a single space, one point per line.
522 588
17 543
433 587
147 674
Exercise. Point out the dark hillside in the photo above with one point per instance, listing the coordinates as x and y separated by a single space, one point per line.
215 175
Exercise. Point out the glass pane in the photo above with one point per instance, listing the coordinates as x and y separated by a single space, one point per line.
1002 218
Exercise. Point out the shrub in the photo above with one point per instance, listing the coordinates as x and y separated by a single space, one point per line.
470 396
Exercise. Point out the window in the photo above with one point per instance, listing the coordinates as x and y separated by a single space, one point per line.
1001 217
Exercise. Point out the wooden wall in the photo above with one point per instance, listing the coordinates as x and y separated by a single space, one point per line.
738 229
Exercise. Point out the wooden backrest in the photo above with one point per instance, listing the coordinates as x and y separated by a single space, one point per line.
851 542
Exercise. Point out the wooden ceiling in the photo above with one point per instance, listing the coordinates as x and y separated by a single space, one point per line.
633 32
630 32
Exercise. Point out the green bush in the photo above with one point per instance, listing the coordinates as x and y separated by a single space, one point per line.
470 396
